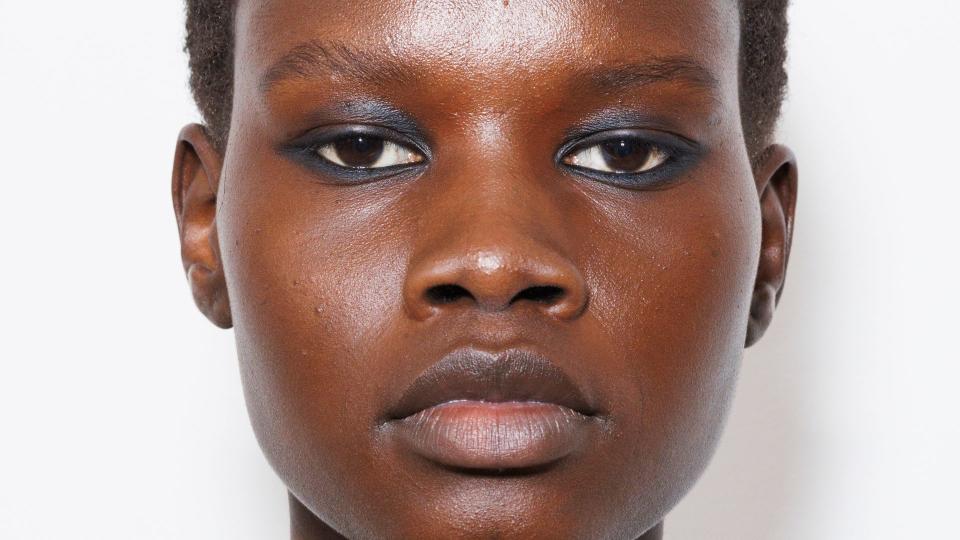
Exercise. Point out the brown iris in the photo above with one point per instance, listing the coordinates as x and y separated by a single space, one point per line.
359 150
626 154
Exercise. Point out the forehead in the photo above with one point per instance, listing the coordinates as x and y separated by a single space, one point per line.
491 42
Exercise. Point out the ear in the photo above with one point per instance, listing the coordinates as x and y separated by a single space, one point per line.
776 177
196 176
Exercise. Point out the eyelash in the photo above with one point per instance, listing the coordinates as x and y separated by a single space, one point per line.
678 154
306 149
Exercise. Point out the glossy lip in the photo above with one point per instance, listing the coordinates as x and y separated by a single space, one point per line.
482 411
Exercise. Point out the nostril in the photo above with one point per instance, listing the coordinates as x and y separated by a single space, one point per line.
546 294
447 294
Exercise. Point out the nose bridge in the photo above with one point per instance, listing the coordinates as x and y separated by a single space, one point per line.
490 188
495 244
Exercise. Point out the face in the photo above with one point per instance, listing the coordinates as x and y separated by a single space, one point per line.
491 265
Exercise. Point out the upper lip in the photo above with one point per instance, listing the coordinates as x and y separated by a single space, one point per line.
514 375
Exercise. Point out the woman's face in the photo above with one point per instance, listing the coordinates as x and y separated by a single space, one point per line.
490 263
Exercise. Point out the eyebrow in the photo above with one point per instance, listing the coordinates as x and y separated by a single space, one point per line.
314 59
680 69
318 59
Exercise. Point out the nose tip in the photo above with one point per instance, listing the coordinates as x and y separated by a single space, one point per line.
492 281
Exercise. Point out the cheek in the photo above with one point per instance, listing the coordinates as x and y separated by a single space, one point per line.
314 280
674 301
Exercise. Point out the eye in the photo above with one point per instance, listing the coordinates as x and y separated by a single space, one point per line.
365 151
618 155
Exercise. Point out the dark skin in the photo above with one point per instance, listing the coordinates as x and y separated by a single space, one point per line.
492 228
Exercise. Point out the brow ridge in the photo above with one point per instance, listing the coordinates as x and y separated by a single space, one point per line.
650 71
319 59
316 58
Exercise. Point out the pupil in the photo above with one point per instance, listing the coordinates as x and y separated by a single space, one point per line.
625 154
359 150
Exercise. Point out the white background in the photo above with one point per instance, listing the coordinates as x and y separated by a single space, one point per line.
121 415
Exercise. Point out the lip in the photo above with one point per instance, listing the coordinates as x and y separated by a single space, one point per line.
478 410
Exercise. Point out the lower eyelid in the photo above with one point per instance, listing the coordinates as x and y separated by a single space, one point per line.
672 159
404 155
663 155
672 171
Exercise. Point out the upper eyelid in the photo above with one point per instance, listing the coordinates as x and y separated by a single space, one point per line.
318 137
683 153
596 138
655 136
671 143
322 144
373 170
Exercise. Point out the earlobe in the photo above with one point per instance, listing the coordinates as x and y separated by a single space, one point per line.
196 175
776 177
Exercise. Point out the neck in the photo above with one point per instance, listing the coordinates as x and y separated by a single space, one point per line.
304 525
655 533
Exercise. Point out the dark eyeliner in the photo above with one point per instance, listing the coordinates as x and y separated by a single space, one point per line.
304 150
681 153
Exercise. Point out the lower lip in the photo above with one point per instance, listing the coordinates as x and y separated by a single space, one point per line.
494 436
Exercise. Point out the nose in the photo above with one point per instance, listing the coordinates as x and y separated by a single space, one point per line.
493 235
494 276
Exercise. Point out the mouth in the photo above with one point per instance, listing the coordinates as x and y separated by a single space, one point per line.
481 411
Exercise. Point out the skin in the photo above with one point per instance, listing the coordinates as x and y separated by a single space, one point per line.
326 281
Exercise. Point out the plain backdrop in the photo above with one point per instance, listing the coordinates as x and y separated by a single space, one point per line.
121 414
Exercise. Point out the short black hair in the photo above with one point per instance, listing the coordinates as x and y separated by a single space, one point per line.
763 77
